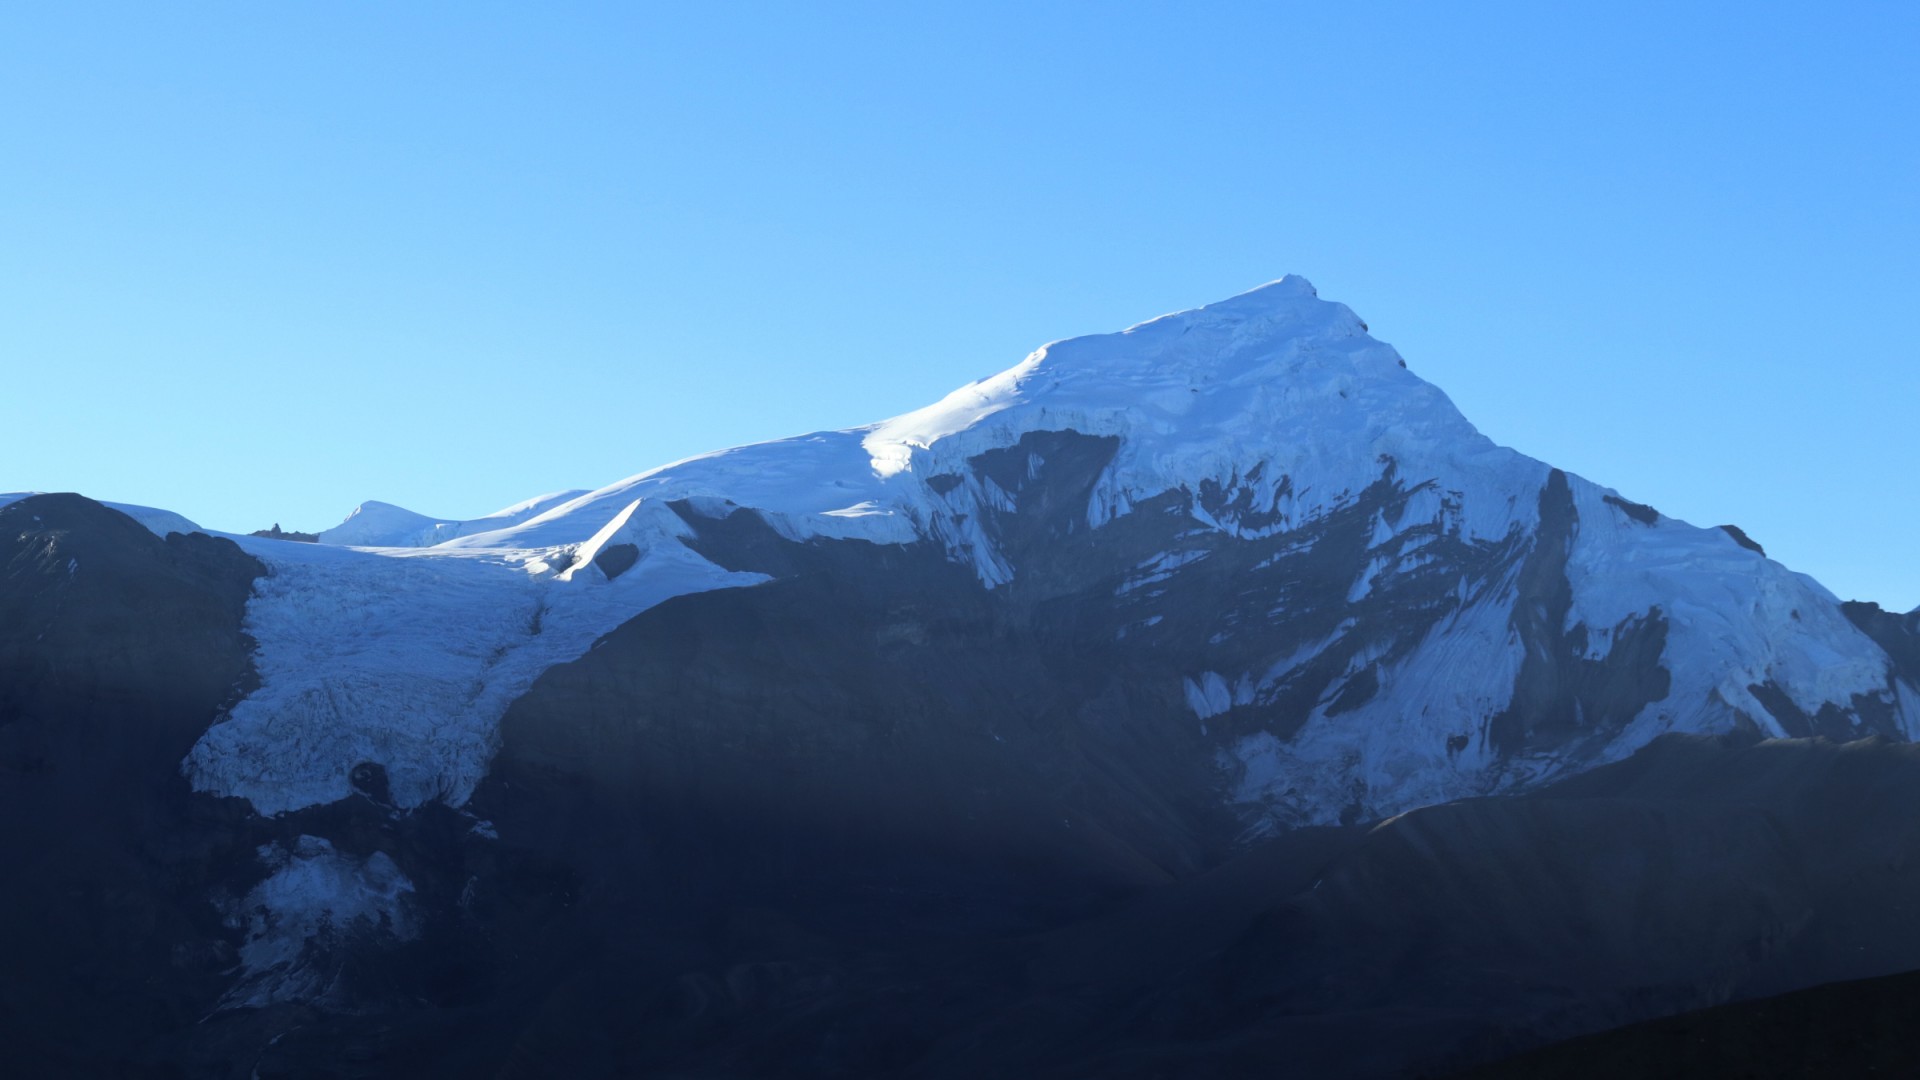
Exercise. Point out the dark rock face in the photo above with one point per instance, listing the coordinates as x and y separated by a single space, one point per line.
117 649
1640 512
616 559
1740 537
1830 721
75 628
1562 696
276 533
1899 635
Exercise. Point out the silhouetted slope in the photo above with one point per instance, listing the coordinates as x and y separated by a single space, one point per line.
117 649
1841 1031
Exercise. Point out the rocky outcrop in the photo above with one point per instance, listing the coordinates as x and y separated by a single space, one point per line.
276 533
1898 634
101 619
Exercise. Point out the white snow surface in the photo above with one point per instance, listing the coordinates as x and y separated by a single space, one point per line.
158 522
408 655
312 898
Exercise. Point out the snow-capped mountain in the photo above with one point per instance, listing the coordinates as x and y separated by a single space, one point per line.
1357 601
968 743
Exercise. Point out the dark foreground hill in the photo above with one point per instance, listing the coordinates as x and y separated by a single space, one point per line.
1840 1031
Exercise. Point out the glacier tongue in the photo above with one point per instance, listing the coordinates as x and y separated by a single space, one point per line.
408 661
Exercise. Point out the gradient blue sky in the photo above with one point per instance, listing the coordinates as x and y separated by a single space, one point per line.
260 262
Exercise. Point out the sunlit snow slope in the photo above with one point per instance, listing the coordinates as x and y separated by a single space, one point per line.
1495 621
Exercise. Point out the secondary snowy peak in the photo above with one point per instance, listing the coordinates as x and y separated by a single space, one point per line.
379 524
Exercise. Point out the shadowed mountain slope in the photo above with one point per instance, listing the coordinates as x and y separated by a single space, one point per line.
117 650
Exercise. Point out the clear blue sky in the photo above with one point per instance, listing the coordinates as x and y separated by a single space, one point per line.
259 262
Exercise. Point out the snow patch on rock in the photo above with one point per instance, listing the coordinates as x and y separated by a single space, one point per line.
1735 619
1391 753
313 900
